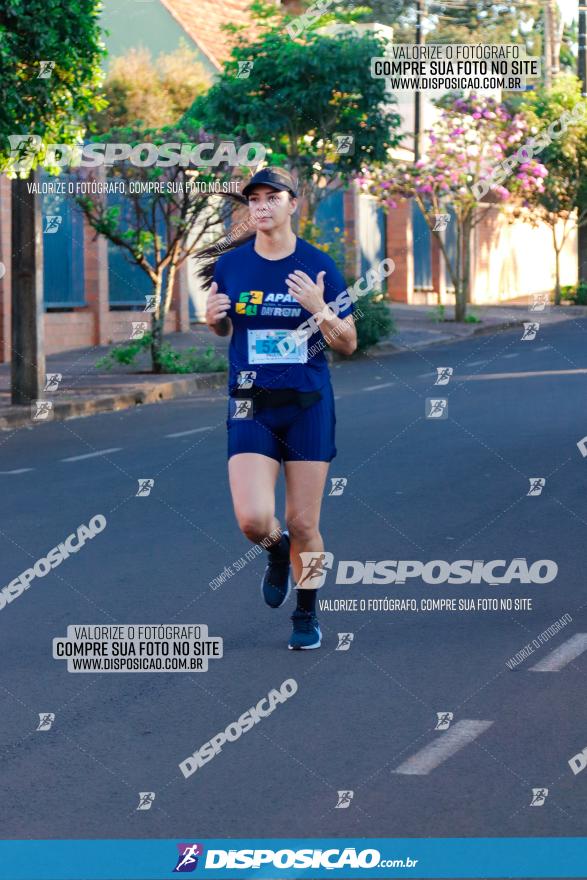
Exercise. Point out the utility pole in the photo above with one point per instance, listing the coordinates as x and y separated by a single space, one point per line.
553 25
548 41
582 74
28 350
417 95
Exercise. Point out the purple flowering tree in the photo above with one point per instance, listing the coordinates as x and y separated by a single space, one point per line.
470 138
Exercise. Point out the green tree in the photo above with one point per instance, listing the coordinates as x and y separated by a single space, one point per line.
154 92
297 97
562 205
50 53
167 214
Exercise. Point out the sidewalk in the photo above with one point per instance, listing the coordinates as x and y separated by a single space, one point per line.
84 390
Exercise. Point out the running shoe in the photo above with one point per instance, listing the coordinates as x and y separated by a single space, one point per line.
306 631
276 584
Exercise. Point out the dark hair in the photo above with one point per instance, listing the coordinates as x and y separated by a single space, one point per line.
208 258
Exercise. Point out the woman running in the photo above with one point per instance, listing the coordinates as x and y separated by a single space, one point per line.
281 404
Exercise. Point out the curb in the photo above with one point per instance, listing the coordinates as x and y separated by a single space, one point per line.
388 348
156 392
443 340
151 392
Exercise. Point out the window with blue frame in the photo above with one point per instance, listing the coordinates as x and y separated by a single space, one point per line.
371 233
128 284
63 248
422 244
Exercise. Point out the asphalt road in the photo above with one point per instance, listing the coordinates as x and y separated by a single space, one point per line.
418 489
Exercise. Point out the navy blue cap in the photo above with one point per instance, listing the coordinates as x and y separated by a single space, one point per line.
273 176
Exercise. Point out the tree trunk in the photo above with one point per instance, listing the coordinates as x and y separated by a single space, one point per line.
466 258
557 277
157 327
460 302
582 253
28 350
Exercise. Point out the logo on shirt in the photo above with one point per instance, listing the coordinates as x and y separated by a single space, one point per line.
282 305
248 302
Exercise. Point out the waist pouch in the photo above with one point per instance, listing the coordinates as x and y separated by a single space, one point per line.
269 398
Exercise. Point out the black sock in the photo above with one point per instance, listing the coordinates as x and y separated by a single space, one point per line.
306 600
281 548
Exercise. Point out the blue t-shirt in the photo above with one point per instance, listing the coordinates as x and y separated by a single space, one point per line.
263 312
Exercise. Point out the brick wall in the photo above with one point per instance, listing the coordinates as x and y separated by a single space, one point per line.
119 325
400 247
66 330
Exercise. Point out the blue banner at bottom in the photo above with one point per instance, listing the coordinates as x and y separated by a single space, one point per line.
366 858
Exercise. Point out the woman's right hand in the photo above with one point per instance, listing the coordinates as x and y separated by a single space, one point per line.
217 306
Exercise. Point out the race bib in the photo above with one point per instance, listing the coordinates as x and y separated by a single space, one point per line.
276 347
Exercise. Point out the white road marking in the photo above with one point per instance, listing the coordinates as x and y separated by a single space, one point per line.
563 655
513 355
92 454
444 747
193 431
17 471
523 374
377 387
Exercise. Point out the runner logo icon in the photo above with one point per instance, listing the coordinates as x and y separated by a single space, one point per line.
41 409
244 69
530 331
441 222
146 799
52 381
537 484
444 719
539 795
344 800
314 567
243 409
46 720
436 408
344 641
52 224
246 378
539 302
443 375
345 144
338 484
189 854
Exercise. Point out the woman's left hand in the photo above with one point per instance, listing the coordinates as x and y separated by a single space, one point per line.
308 293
